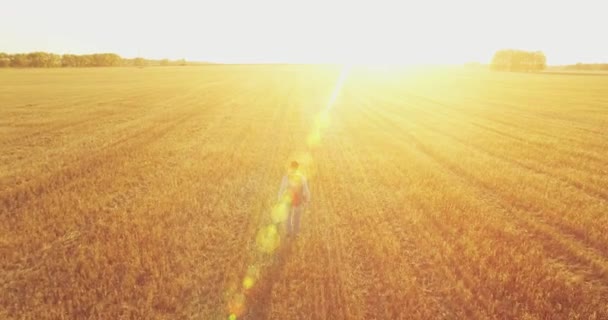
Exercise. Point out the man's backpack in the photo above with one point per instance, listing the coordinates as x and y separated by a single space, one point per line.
295 187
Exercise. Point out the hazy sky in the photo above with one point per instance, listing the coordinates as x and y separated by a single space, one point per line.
424 31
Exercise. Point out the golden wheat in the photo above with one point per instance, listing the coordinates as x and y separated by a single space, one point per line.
436 194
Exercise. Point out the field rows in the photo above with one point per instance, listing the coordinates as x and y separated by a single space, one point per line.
437 194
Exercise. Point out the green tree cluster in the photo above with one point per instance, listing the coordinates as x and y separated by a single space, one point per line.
518 60
51 60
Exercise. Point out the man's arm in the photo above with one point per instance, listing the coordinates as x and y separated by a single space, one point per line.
282 187
306 190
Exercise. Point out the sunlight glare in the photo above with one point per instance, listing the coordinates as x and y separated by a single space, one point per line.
268 239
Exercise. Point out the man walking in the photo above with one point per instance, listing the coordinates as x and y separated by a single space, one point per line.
294 192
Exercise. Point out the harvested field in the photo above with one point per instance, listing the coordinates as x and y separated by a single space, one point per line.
436 193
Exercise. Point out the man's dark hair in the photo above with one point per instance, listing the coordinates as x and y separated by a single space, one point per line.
294 165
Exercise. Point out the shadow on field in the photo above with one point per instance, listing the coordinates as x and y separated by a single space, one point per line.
260 295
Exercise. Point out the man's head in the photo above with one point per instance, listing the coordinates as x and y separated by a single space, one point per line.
294 165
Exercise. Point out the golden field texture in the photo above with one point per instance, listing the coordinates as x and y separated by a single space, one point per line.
436 194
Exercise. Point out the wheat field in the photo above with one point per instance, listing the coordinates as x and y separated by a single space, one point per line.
438 193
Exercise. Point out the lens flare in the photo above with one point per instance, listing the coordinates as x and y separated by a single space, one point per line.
236 306
268 239
279 212
286 199
253 273
338 88
248 282
314 139
231 289
323 120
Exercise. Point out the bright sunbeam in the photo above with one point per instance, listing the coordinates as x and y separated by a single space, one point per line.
268 238
337 89
322 120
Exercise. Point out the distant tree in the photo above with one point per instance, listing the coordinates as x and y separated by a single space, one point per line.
50 60
540 61
105 60
72 60
518 60
85 60
20 60
54 61
38 59
69 60
588 66
5 60
139 62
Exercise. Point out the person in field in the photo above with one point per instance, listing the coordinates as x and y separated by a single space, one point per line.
295 193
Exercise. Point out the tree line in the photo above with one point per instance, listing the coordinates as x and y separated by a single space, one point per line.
518 60
52 60
588 66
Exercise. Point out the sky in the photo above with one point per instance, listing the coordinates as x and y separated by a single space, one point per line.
311 31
